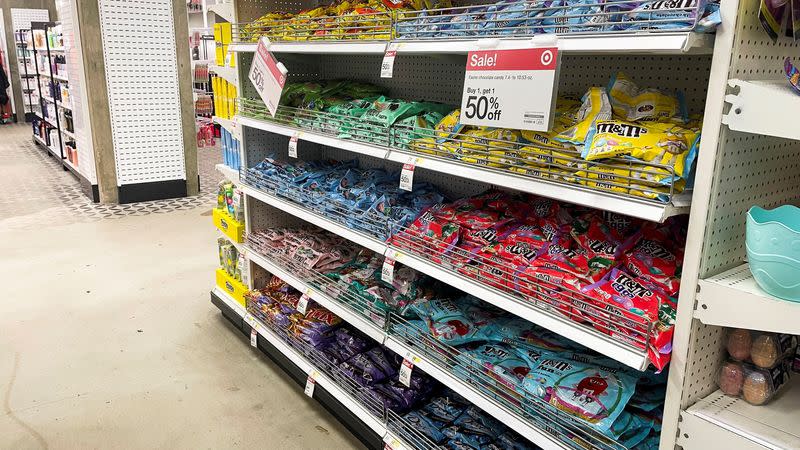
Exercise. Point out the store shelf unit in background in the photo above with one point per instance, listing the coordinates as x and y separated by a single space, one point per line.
327 392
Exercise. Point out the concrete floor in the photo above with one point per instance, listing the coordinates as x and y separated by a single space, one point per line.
108 338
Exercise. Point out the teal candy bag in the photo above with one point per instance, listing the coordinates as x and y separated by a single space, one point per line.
593 393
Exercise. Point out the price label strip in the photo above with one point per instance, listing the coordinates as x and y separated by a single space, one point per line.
293 145
514 89
311 381
387 271
407 177
253 338
267 75
302 304
406 368
387 66
391 443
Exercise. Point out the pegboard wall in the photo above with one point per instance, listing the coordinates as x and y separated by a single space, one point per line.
706 353
250 10
751 169
143 92
21 18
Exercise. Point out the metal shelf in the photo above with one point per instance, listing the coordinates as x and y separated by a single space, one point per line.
666 44
572 193
228 124
300 361
514 422
574 331
611 44
720 421
230 74
230 174
734 299
584 335
224 10
763 107
316 219
368 328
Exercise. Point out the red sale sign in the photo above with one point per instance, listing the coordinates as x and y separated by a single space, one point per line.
267 75
511 88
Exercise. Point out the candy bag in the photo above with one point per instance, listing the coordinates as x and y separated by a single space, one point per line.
593 393
631 103
595 107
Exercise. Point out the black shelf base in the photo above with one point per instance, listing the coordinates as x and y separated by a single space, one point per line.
359 429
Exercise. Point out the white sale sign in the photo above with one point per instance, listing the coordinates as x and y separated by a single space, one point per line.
267 75
511 88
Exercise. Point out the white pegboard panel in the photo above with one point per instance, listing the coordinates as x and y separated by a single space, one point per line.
21 18
705 355
250 10
756 57
67 12
753 170
261 215
143 92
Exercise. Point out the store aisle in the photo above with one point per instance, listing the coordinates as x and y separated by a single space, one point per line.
108 338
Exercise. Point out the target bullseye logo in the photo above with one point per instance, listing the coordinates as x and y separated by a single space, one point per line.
547 57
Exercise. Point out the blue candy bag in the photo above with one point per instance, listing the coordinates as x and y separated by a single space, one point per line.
593 393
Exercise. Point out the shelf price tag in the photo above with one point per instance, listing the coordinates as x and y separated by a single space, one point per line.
387 66
311 381
514 89
293 145
391 443
253 337
244 267
407 176
236 130
267 75
406 368
302 304
387 271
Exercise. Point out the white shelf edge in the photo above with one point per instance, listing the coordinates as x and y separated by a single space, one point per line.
644 43
320 297
225 123
518 424
552 321
224 10
772 426
356 147
230 74
761 107
318 220
230 174
343 397
734 299
577 194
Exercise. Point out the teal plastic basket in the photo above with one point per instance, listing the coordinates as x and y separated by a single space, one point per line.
773 250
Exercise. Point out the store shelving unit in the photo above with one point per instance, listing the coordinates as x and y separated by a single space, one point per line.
734 171
52 68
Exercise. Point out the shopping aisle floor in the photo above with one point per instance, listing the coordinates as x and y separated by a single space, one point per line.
107 335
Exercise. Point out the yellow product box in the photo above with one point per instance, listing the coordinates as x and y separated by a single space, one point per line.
225 33
218 33
216 86
219 56
231 99
228 225
232 286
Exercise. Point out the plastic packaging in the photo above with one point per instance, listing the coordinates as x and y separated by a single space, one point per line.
755 385
762 349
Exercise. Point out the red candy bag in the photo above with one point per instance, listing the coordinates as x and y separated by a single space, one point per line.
654 260
632 294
